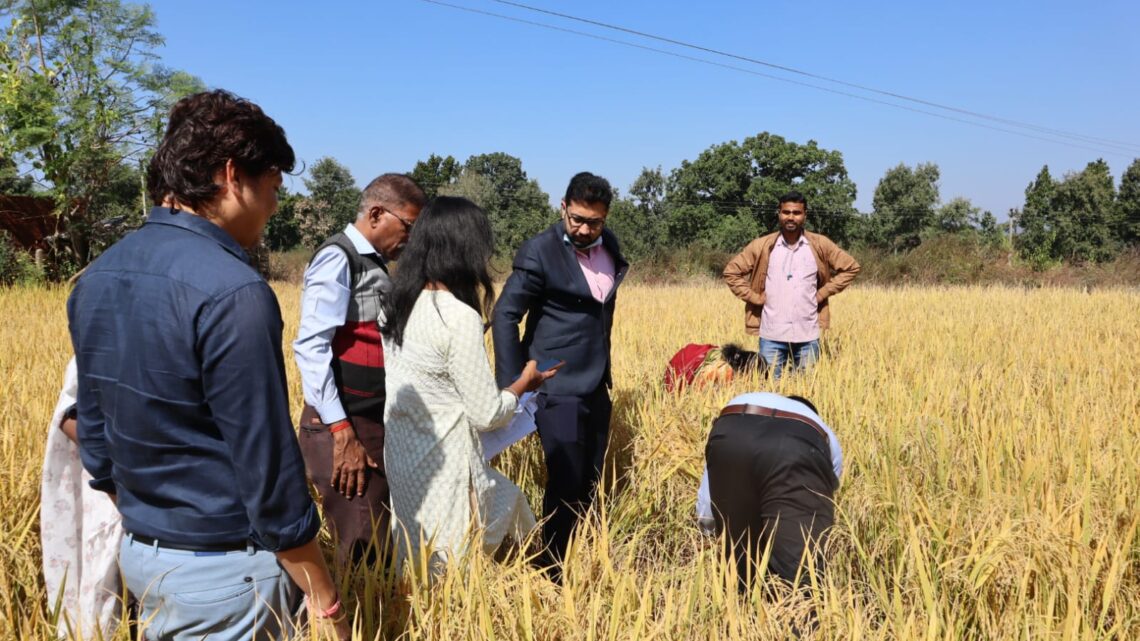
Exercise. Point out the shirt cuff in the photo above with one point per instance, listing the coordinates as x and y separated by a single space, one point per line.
331 412
707 525
292 535
102 485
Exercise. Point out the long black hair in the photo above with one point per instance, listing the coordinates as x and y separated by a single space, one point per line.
742 360
450 244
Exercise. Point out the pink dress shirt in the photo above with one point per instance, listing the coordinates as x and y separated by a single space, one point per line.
791 313
598 268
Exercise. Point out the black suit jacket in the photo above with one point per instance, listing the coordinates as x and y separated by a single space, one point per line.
563 319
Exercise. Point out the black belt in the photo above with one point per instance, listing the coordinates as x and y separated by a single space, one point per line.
188 547
756 410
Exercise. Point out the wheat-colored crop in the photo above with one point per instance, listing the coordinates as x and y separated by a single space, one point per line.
991 490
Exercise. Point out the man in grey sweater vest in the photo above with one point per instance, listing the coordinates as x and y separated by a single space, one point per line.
341 361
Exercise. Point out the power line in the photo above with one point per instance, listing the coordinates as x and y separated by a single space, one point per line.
753 72
1129 147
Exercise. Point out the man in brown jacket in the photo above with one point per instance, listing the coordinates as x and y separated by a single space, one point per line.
785 279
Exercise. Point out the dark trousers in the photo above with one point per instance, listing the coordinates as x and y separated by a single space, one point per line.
574 431
771 482
351 521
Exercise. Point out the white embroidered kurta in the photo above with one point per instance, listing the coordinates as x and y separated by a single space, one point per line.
440 392
80 529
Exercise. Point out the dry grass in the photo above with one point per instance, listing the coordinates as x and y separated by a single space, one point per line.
992 439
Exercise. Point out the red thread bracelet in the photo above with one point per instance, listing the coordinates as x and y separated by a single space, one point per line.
333 610
342 424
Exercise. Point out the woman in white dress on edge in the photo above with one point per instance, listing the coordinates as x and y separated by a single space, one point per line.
80 529
441 392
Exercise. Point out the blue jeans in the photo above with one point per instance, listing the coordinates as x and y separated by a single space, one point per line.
778 353
223 595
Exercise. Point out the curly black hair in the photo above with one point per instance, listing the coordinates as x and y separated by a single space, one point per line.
205 130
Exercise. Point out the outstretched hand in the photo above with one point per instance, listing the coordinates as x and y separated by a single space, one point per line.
531 378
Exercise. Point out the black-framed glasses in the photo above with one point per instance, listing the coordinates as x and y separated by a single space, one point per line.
407 225
579 221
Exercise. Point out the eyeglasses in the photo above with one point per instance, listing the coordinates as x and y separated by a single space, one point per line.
578 221
407 225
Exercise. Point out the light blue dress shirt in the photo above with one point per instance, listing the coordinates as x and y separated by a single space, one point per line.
324 307
777 402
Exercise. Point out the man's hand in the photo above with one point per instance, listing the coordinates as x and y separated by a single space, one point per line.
68 426
350 462
819 298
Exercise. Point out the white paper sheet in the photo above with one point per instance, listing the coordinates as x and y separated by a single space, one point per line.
522 423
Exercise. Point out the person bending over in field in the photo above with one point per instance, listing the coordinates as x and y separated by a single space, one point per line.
771 469
785 280
80 530
701 365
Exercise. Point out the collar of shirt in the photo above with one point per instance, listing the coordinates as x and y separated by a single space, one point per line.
802 241
198 225
359 241
775 402
585 250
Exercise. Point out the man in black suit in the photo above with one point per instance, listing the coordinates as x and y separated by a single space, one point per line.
564 281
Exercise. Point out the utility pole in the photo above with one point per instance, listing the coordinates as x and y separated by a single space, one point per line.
1012 219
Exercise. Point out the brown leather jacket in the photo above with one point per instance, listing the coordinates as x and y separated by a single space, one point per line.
746 272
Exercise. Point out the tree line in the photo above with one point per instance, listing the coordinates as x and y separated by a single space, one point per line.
728 194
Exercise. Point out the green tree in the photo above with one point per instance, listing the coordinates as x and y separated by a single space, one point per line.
12 181
283 231
962 218
516 205
639 220
472 186
988 229
732 190
1037 221
332 202
956 216
80 98
436 173
904 205
1085 206
1128 204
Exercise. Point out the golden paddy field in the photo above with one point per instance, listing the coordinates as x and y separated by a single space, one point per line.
992 484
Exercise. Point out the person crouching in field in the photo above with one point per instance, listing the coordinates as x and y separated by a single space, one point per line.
772 467
80 532
700 365
183 409
785 280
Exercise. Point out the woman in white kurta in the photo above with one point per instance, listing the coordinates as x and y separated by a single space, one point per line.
80 530
441 392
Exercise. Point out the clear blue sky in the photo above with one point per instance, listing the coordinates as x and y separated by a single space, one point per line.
380 85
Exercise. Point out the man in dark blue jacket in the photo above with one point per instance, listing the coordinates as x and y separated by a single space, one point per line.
182 404
564 281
